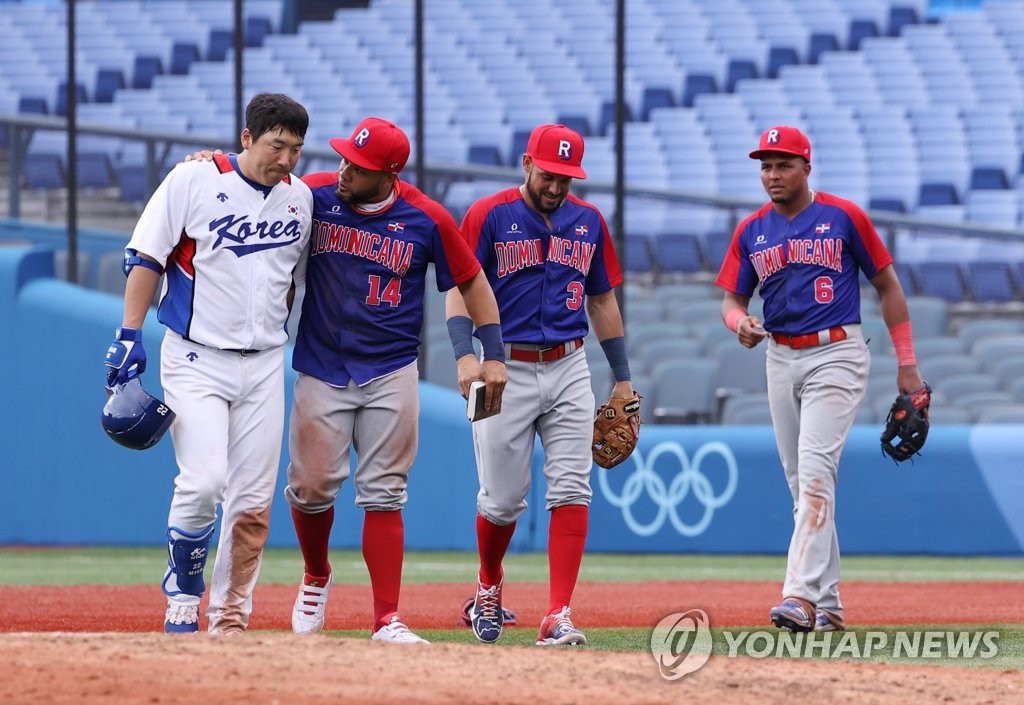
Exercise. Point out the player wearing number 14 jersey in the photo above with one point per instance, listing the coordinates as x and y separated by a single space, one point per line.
356 352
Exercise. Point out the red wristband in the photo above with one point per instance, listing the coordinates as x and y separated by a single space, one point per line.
904 344
733 318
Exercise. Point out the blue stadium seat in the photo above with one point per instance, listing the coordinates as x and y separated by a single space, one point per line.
637 257
859 31
33 104
182 56
146 68
696 84
940 279
905 273
257 28
61 102
779 57
937 194
108 82
737 70
44 171
894 205
990 281
520 138
484 154
899 17
989 177
580 123
220 41
819 43
655 97
94 170
607 119
715 245
132 180
678 253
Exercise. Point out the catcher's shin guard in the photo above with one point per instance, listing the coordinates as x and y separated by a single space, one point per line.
186 560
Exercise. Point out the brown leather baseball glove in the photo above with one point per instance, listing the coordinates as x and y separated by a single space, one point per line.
616 430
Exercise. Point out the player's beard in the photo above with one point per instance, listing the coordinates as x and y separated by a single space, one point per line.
354 198
538 201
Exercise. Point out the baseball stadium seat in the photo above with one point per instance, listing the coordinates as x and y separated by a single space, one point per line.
220 41
990 281
182 56
94 170
484 154
33 104
61 102
655 97
987 177
44 171
575 122
256 30
108 81
779 57
941 279
819 43
900 16
859 30
937 194
737 70
146 68
678 253
696 84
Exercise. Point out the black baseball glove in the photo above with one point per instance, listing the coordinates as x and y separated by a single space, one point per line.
906 427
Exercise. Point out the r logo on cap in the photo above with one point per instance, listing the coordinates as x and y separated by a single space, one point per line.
564 149
361 137
773 136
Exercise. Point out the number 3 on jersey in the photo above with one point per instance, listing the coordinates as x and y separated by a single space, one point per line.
575 299
391 293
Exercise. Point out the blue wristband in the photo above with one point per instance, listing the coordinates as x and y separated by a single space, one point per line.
460 330
615 351
490 340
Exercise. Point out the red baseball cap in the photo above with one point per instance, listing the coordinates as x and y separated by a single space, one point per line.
783 139
557 150
375 144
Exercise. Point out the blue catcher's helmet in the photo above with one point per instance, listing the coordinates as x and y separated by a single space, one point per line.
134 418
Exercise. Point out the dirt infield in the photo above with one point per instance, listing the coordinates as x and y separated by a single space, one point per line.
104 608
61 661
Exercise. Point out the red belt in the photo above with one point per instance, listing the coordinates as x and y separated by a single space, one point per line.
810 340
524 353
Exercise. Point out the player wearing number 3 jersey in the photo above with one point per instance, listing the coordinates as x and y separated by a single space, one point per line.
805 251
373 237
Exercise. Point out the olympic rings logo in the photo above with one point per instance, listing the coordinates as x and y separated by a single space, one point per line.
668 498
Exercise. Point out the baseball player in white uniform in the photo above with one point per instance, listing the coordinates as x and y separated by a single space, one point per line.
231 236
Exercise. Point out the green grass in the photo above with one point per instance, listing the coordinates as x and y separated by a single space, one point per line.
133 566
1009 642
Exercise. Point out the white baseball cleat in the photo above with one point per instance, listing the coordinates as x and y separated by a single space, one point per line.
394 632
311 605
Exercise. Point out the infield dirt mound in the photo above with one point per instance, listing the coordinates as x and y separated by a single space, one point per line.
283 669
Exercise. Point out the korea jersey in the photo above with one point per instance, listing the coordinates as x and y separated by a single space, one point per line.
808 269
541 276
229 247
365 280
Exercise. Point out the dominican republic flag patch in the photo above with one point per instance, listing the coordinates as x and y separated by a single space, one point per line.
822 228
582 230
396 227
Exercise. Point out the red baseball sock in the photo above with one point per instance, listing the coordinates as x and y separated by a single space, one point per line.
314 534
492 543
383 551
567 535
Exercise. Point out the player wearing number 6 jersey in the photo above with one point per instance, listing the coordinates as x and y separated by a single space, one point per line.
356 353
805 252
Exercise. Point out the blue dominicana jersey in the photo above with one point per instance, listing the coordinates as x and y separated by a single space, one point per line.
540 277
365 280
808 269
